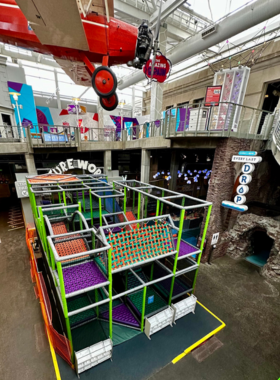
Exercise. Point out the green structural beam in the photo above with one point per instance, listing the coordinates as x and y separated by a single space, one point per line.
139 208
143 308
124 200
182 217
202 244
110 293
64 304
161 206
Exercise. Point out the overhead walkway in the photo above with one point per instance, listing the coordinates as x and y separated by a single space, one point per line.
194 120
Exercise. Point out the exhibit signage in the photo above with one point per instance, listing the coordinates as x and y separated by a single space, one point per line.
234 206
247 153
21 189
213 94
70 164
252 159
248 158
161 68
215 238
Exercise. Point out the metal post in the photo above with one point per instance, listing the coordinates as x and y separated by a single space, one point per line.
110 293
161 206
133 200
44 234
139 208
124 200
157 210
64 198
52 258
91 212
81 223
84 202
202 244
177 253
143 308
152 271
100 211
146 205
64 304
96 300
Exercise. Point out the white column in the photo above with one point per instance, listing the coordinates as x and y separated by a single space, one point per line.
57 90
107 161
30 163
100 112
157 88
145 165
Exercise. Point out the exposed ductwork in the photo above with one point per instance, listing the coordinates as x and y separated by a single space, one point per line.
245 18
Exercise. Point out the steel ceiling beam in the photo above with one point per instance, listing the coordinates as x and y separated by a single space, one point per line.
237 22
168 7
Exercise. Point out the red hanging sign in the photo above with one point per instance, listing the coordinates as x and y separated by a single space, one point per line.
213 95
161 68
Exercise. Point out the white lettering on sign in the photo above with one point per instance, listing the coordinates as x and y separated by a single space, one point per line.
239 199
70 163
80 164
248 168
242 189
252 159
244 179
215 238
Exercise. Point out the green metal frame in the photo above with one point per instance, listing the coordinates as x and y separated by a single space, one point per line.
39 219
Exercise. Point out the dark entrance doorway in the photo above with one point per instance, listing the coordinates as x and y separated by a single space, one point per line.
271 99
261 247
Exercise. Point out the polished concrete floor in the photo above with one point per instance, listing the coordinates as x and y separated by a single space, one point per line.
24 349
233 290
250 307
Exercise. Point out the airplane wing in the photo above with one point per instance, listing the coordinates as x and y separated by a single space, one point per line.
96 6
55 22
77 71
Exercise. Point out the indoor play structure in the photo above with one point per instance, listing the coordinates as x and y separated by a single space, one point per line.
114 272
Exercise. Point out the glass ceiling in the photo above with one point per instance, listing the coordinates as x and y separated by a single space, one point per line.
188 19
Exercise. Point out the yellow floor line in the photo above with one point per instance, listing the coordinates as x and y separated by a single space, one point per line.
199 342
55 364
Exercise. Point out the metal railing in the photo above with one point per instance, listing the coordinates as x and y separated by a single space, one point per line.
9 133
276 130
222 120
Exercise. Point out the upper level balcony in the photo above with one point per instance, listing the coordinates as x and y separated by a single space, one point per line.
194 120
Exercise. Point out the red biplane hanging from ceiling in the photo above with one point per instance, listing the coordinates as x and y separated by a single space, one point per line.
78 34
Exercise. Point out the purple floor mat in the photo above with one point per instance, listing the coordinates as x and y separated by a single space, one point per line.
185 248
82 276
122 314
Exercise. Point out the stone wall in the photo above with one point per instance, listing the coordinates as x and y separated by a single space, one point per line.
237 242
221 185
264 188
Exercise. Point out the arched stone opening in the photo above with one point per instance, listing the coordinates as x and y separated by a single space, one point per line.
260 246
251 235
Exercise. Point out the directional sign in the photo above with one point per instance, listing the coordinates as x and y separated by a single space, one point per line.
21 188
234 206
242 189
247 153
215 238
239 199
244 179
253 159
248 168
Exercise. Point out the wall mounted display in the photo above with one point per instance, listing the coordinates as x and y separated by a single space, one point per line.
26 105
234 83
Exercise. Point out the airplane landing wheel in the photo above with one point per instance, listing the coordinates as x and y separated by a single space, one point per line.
104 81
109 104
